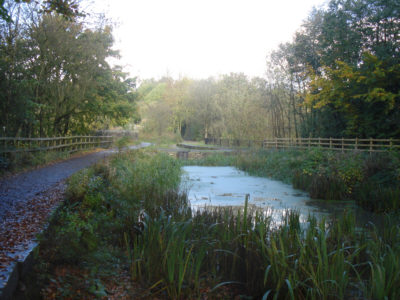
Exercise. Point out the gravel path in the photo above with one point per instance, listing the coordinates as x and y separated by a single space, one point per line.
26 202
17 190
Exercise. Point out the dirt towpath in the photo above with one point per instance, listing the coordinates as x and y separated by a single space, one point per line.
27 200
18 189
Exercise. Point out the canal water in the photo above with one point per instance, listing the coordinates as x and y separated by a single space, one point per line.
228 186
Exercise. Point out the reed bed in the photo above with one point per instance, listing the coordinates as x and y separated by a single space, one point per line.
132 202
263 260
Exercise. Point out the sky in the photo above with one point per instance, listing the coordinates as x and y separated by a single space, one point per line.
201 38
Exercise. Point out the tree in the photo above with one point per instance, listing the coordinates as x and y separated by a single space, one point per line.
204 107
176 95
56 79
68 8
328 41
368 96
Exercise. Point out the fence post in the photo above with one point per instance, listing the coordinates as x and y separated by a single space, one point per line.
319 142
276 143
391 144
4 154
309 142
330 143
356 144
342 145
370 145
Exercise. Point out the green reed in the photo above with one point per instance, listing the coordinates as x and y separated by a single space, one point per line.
324 260
132 201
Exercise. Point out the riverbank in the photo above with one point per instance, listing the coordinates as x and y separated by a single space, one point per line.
127 217
372 180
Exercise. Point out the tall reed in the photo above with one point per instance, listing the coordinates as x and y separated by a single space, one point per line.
176 253
324 260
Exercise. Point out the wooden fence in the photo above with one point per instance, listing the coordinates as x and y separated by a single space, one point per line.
338 144
70 143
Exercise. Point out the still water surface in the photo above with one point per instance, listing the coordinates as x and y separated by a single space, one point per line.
228 186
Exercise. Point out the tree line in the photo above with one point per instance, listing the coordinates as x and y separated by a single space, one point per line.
338 77
230 106
55 78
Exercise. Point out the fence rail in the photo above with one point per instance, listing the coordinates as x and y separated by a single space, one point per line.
70 143
338 144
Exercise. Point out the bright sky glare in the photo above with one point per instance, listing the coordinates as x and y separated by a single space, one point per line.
201 38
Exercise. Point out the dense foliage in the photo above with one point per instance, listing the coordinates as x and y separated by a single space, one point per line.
68 8
231 106
339 77
355 67
55 78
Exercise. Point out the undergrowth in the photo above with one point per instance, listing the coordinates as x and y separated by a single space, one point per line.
373 180
128 214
